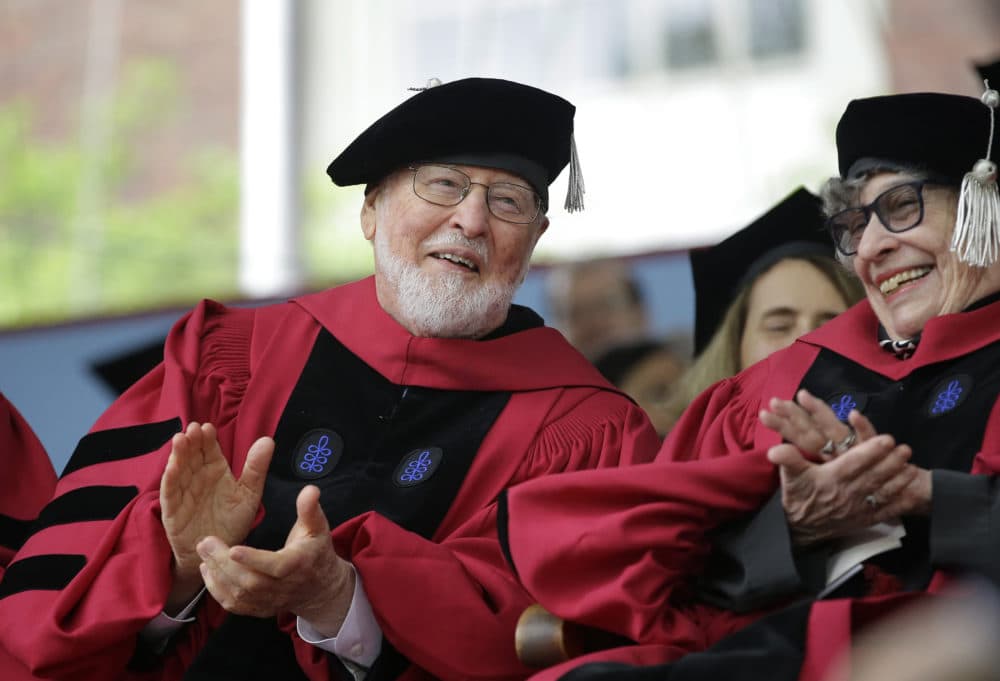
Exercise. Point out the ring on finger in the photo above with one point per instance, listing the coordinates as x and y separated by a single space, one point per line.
847 442
872 501
827 449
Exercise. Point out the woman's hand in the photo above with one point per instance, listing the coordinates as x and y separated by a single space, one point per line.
855 490
838 478
810 424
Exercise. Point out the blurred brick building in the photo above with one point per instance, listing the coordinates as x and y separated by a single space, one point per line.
48 58
931 45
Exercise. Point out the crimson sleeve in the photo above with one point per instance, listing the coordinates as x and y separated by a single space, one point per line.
617 549
98 566
27 481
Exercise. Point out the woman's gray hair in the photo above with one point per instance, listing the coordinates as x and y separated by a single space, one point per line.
842 193
839 194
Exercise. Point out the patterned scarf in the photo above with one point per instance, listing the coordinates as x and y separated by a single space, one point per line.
903 349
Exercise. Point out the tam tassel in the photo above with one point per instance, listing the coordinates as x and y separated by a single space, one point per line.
431 82
976 239
575 189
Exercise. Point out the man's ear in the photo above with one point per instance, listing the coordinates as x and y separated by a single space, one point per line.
368 212
544 226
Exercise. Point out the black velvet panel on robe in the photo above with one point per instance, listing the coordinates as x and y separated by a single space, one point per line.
940 410
369 445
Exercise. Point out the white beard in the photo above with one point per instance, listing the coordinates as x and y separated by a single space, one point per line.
445 305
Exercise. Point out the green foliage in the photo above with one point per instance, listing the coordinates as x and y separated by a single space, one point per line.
80 234
77 236
334 249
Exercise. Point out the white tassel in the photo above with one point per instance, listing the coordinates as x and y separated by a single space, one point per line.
976 238
575 189
977 226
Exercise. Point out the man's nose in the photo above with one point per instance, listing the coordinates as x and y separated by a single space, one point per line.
472 215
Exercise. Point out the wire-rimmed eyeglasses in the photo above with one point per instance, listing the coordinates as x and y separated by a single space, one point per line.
447 186
898 208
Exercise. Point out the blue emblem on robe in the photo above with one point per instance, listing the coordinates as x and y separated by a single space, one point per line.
843 403
417 466
949 394
317 454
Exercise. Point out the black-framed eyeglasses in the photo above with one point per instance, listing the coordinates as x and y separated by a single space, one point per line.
898 208
447 186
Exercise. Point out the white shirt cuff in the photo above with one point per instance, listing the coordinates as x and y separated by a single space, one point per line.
360 637
159 629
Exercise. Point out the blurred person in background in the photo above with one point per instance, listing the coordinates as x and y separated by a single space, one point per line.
952 637
760 289
646 371
597 304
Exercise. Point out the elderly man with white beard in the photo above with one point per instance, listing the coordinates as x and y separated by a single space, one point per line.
309 490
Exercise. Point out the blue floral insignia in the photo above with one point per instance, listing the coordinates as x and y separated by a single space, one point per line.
417 466
317 454
949 394
843 406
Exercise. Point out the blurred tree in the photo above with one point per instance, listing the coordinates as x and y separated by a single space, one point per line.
142 249
333 247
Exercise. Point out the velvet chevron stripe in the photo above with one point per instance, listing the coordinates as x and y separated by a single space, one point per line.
121 443
98 502
41 573
13 531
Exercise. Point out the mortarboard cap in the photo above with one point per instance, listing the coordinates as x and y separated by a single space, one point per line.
476 121
990 72
940 133
792 228
121 370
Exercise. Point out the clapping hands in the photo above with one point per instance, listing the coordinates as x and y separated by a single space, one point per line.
838 478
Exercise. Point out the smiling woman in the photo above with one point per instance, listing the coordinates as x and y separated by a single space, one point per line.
883 426
909 239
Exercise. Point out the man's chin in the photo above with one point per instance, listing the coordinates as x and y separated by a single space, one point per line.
458 312
435 302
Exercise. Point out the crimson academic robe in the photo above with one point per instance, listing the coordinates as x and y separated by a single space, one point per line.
625 550
26 483
369 413
27 480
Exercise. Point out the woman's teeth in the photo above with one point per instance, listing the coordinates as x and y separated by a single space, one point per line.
900 278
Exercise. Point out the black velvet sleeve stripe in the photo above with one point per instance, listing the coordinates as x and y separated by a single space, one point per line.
99 502
13 532
121 443
41 573
502 530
